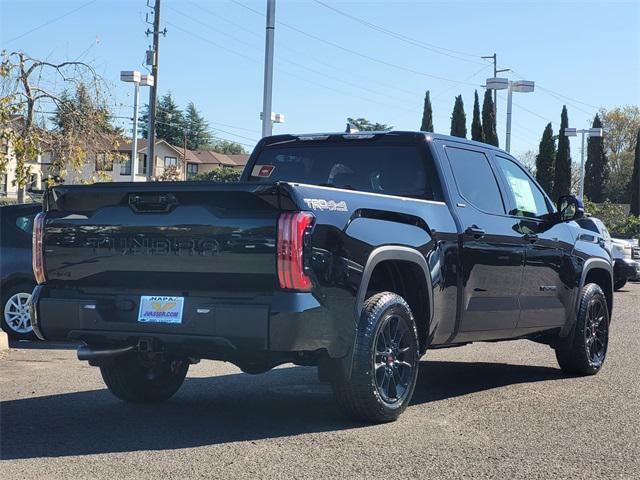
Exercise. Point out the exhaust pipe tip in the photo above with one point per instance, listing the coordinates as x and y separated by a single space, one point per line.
94 354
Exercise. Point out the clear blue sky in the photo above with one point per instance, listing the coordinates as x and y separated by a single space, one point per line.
582 53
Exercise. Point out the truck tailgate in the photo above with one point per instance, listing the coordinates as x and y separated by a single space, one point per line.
163 237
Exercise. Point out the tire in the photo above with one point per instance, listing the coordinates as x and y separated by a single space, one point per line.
619 283
14 312
584 351
385 362
135 380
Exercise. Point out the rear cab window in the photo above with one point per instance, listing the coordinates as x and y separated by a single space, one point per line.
475 179
393 169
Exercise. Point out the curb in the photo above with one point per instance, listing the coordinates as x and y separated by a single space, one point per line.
4 341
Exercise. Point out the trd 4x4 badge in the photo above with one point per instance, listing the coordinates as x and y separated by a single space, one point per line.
321 204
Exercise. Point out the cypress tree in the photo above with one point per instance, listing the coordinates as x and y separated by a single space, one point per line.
427 115
458 119
562 174
545 158
635 180
595 174
476 126
489 131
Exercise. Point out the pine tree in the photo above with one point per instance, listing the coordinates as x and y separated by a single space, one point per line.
476 126
458 119
427 115
545 159
562 174
635 180
197 128
170 124
490 133
595 174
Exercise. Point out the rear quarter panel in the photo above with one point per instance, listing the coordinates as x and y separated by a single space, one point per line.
351 225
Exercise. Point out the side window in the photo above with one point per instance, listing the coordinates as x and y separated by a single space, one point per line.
529 201
25 223
475 179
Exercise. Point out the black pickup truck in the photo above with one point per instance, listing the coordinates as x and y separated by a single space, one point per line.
354 252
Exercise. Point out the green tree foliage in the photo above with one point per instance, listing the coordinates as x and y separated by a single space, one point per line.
621 125
595 174
545 160
365 125
562 174
197 128
225 146
222 175
635 179
490 133
170 122
615 217
427 115
477 133
459 119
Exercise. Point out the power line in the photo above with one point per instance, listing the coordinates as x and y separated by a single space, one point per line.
359 54
405 38
49 22
298 53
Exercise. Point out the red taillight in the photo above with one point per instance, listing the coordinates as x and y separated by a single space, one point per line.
291 230
37 254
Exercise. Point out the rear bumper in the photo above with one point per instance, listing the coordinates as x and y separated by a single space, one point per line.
282 322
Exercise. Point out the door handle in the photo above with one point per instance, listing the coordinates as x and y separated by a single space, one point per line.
475 231
530 237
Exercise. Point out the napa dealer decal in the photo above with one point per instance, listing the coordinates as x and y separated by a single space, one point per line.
329 205
161 309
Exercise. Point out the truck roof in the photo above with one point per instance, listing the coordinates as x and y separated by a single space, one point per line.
391 134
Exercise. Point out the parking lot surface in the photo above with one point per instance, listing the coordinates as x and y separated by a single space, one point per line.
492 410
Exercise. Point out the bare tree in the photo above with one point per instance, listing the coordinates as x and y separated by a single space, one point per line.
30 89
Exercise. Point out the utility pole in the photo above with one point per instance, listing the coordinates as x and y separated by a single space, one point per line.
494 57
152 59
267 125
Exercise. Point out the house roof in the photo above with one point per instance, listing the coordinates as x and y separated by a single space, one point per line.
209 157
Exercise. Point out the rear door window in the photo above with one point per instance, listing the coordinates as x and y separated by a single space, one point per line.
387 169
475 179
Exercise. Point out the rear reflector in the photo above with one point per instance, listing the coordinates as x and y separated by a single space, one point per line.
291 230
37 254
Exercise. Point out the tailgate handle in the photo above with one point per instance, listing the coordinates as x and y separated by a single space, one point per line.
152 202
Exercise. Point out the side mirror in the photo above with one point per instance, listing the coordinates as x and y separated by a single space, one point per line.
569 208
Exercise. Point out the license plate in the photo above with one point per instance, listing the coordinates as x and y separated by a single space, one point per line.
160 309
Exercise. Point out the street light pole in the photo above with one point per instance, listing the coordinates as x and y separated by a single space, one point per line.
589 132
522 86
134 142
507 145
268 69
135 77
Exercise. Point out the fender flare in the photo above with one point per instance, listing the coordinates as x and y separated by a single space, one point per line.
392 252
589 265
380 254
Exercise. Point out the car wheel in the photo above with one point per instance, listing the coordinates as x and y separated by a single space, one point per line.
619 283
135 379
584 351
15 312
385 361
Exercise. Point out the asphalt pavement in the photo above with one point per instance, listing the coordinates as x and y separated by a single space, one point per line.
488 410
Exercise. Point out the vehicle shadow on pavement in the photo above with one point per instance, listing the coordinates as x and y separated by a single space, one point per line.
217 410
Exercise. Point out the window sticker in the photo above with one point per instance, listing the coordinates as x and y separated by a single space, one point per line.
521 188
263 171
